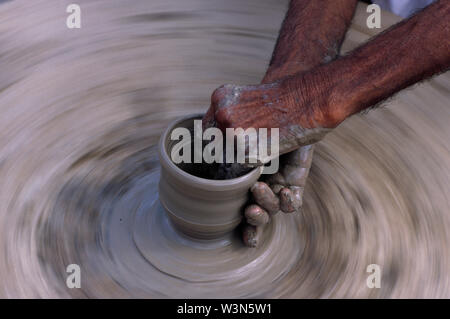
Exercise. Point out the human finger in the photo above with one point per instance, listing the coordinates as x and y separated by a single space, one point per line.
256 216
265 197
252 235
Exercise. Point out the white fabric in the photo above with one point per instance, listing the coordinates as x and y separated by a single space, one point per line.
403 8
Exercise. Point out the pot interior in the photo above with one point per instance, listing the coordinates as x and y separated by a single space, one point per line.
213 171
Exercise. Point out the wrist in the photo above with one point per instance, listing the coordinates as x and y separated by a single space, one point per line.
312 96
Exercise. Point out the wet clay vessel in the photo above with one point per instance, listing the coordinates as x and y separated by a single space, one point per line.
199 207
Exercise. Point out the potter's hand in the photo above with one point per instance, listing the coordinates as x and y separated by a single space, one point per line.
301 46
305 104
282 191
240 106
300 124
298 106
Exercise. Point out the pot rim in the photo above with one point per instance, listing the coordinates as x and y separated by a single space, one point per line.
204 183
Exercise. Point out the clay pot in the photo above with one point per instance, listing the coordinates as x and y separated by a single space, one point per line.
198 207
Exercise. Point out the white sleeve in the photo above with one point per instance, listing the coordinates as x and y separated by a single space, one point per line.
403 8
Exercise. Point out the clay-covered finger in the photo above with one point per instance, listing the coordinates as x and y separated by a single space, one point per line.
265 197
297 195
252 235
256 216
287 201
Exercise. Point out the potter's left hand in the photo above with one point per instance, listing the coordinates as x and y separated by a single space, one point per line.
282 191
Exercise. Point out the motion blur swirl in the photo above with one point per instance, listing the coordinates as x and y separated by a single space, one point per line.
81 112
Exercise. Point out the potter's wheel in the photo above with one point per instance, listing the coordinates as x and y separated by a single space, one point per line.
166 259
82 112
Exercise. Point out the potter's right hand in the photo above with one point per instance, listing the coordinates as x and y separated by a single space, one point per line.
282 191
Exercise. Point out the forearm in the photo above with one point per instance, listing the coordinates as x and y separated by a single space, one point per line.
311 34
411 51
305 104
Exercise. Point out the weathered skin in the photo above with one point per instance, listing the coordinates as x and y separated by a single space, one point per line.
311 34
306 105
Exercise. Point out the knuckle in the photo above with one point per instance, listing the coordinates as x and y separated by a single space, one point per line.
223 117
223 93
